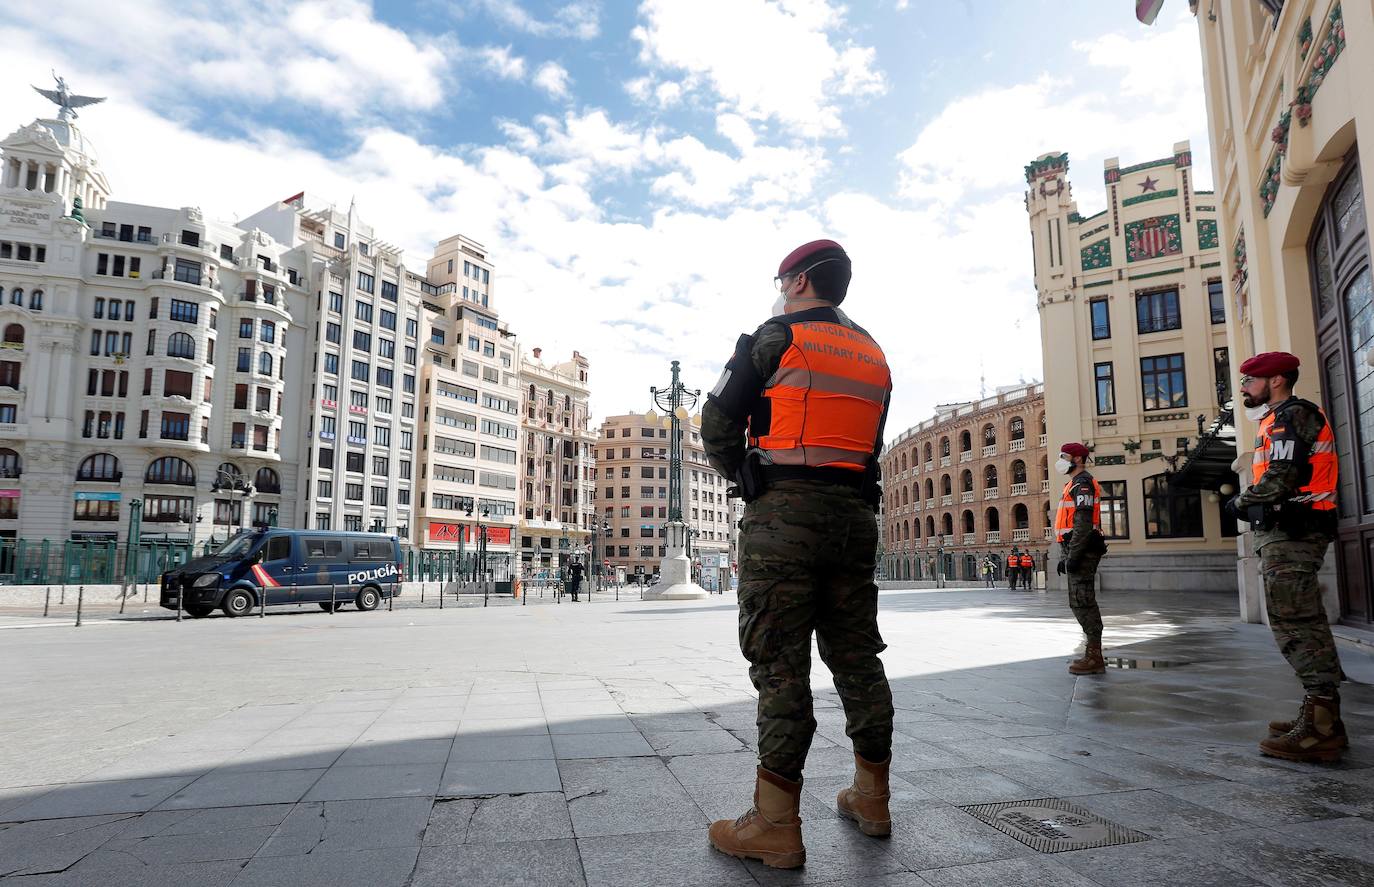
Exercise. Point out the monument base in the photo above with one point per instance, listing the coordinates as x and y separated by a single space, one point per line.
675 571
683 591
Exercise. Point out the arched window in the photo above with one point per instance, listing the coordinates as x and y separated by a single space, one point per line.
264 364
1018 472
915 492
1020 516
930 527
1044 467
10 463
930 488
968 521
36 301
181 345
1048 522
927 452
992 520
171 470
228 471
946 487
916 529
267 481
1018 428
1042 423
947 524
990 477
965 441
944 447
14 334
99 466
905 500
903 468
989 435
534 396
906 531
16 296
966 481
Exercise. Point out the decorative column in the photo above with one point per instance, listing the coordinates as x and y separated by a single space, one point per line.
675 569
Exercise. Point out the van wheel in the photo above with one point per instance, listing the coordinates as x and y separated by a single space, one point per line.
198 611
368 599
238 603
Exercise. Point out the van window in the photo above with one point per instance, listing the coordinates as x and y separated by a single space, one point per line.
278 549
322 549
367 551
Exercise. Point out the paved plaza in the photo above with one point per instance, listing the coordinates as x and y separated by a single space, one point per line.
592 744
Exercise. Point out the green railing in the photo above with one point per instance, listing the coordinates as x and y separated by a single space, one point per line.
66 562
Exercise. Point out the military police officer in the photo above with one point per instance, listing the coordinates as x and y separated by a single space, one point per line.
1078 527
797 420
1291 509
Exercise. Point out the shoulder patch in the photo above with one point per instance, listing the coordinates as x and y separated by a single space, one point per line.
1278 429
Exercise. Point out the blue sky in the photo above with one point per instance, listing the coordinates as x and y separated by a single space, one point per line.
638 168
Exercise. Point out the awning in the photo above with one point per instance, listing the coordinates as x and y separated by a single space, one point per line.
1208 463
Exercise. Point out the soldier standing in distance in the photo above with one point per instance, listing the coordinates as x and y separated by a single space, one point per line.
1013 567
1291 509
808 393
1078 526
1027 569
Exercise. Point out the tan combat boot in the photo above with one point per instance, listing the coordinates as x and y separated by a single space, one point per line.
865 801
1278 728
1317 735
1092 661
771 831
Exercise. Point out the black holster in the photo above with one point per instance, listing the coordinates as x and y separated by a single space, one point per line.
749 479
872 490
1264 516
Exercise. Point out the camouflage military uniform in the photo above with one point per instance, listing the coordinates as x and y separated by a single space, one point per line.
1082 574
1289 562
808 552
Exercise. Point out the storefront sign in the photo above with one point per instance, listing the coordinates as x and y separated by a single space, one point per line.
9 494
99 497
446 532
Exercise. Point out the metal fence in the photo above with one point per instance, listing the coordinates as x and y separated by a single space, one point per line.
48 562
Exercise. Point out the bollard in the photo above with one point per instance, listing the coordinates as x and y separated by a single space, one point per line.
80 594
47 598
262 603
181 597
441 594
333 598
391 601
62 596
486 590
123 596
422 592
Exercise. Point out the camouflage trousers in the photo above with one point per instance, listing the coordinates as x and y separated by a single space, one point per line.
807 557
1296 613
1083 597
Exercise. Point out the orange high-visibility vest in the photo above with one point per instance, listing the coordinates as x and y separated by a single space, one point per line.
1027 561
1013 561
1063 518
825 402
1320 492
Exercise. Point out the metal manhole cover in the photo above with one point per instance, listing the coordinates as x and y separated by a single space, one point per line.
1053 826
1138 662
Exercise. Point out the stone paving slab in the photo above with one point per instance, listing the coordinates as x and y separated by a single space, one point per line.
594 745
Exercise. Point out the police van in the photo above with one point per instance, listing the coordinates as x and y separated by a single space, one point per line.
279 566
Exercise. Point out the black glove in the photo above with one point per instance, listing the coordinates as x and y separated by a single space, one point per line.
1072 565
1234 510
1061 570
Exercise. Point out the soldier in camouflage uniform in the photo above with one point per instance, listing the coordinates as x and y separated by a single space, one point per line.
1078 527
1291 508
808 544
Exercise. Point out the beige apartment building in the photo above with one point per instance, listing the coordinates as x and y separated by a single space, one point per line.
968 483
1288 98
1136 358
558 507
470 437
632 490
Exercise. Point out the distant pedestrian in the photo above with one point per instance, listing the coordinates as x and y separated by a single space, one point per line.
988 571
1013 568
575 573
1027 569
1078 526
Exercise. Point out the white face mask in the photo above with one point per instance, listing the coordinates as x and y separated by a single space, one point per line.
1256 413
1063 466
780 306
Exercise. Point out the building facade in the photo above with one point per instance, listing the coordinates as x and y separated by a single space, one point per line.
1136 359
632 491
967 484
144 373
558 456
1288 98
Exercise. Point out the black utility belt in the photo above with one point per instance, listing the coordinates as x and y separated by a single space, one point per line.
840 476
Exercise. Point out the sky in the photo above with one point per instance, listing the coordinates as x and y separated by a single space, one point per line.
638 169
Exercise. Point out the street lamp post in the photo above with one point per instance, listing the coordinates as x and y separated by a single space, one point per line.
675 570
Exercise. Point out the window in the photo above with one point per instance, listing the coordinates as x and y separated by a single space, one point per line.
361 370
410 355
407 383
176 426
1101 319
387 319
181 345
1106 388
381 466
385 377
267 332
322 548
1163 382
362 341
389 290
331 364
381 436
386 347
1221 362
186 312
1216 301
187 272
1171 513
336 303
264 364
412 327
357 433
264 400
170 470
367 283
436 336
324 489
474 343
177 384
246 328
1157 311
363 311
353 492
1114 524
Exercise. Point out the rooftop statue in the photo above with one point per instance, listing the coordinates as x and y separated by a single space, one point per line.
67 100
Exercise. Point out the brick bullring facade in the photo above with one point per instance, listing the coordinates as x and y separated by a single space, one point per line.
971 481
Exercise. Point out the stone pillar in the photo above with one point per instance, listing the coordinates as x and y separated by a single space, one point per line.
675 570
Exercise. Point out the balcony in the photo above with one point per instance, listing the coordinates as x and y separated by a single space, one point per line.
1049 534
944 461
1044 486
989 451
930 543
991 493
994 537
970 538
1021 535
1018 489
929 466
947 500
966 456
1042 441
966 496
1017 445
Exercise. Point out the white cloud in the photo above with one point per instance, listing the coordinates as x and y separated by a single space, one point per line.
776 59
580 19
553 79
502 62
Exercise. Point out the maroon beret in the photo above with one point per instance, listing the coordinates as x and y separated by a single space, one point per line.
810 253
1075 449
1270 363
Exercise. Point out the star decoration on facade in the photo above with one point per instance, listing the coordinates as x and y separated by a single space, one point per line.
1148 184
